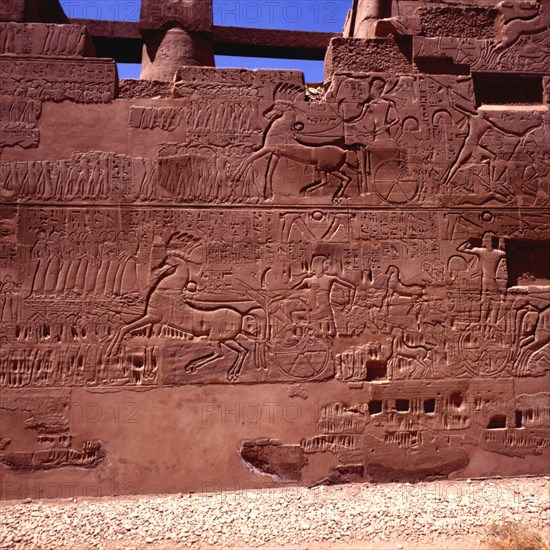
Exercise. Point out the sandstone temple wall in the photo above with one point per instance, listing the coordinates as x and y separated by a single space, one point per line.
233 279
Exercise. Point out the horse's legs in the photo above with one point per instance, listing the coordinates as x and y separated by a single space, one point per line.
259 355
204 360
523 361
317 184
423 357
242 352
271 167
363 179
124 330
345 181
247 162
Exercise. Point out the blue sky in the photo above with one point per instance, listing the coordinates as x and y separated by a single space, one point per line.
312 15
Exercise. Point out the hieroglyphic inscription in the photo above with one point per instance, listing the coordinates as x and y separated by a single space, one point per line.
82 81
85 176
48 416
383 438
19 121
42 39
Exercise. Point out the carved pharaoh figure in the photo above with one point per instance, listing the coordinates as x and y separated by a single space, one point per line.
320 284
489 261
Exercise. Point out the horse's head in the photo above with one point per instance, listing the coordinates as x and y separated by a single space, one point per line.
278 109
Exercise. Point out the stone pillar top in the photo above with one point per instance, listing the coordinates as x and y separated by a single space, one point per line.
190 15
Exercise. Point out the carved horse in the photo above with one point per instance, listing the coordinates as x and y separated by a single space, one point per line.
280 141
165 305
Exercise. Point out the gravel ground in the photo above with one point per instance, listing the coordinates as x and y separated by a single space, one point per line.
449 514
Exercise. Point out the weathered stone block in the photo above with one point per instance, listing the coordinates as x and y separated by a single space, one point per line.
12 10
459 21
191 15
370 55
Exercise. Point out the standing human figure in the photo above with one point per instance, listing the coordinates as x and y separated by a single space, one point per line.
9 300
320 284
490 259
40 254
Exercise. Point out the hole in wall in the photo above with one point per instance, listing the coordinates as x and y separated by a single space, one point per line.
375 407
429 406
504 89
402 405
376 371
497 422
528 262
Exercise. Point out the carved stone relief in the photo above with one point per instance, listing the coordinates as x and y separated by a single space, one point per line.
19 121
374 257
83 81
44 39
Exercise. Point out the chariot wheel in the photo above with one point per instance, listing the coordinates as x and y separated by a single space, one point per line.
392 183
301 357
484 350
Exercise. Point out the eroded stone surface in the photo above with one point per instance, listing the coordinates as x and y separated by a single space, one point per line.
191 15
12 10
222 276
